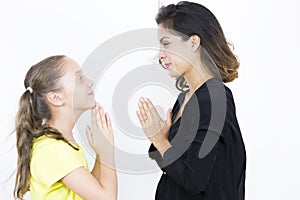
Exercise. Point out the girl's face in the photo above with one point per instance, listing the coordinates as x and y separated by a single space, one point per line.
175 53
77 88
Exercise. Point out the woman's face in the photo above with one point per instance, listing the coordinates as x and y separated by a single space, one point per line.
174 53
77 88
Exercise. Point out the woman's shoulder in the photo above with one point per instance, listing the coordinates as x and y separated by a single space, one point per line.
213 88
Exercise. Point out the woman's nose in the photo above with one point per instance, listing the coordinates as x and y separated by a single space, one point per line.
161 54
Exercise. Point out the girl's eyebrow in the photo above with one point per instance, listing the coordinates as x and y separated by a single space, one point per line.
78 72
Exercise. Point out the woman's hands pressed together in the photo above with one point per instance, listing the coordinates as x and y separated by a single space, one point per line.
155 128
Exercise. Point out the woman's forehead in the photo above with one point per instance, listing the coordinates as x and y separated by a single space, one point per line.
163 32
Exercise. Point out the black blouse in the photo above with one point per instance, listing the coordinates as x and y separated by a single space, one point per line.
207 160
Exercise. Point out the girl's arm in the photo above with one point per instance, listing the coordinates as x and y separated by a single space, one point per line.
88 187
97 168
102 182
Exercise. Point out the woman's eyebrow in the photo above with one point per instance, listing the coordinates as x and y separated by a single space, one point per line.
163 39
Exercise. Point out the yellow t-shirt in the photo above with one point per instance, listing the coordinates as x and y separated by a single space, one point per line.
51 161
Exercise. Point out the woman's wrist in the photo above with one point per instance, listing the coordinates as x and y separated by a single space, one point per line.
161 145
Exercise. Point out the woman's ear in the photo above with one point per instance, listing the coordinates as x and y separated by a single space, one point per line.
55 98
195 42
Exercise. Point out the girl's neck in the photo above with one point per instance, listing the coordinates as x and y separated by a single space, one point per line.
64 124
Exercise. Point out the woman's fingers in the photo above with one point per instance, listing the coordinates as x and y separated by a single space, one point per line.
147 110
169 116
143 111
152 110
149 103
140 117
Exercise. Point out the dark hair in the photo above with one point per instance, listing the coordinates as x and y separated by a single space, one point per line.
33 111
188 18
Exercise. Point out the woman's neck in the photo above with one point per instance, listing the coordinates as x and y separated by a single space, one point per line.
196 78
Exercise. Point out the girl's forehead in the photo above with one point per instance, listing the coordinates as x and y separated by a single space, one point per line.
70 65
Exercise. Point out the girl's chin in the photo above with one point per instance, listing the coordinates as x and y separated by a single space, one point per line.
94 105
90 106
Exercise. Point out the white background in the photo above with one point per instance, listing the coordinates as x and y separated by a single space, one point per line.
265 35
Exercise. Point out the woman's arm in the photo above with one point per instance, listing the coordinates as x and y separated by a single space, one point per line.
189 171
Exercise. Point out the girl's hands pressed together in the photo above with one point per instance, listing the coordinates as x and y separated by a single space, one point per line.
155 128
100 134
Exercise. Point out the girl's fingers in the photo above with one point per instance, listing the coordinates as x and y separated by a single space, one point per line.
102 118
89 134
94 117
107 120
98 116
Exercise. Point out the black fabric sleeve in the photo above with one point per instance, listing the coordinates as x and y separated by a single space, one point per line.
182 162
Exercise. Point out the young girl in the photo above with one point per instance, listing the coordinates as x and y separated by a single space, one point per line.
199 147
51 165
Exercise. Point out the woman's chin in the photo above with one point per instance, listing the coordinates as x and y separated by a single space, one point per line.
173 75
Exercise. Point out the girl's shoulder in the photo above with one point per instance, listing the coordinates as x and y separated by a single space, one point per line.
48 144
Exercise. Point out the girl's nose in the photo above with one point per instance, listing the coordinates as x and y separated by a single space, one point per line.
90 83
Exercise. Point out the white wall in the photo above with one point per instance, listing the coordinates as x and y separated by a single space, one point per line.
266 39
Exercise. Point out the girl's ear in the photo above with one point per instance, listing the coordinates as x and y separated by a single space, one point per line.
55 98
195 42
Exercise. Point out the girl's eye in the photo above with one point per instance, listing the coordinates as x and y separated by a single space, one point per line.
81 77
165 44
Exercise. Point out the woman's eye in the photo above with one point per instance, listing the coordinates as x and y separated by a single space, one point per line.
165 44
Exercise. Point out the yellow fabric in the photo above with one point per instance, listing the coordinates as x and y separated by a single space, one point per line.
51 161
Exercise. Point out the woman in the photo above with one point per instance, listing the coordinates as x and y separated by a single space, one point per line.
199 147
50 162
